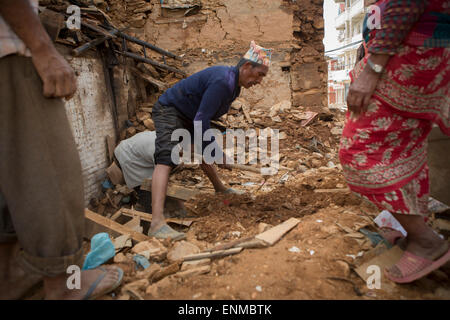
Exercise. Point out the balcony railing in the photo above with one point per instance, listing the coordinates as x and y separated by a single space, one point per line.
340 20
357 10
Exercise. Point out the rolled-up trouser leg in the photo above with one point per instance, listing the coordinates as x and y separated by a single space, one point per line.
40 172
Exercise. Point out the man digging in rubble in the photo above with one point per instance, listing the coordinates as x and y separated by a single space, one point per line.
40 171
135 158
200 98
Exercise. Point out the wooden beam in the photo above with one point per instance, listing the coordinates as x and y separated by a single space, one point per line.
173 191
148 217
274 234
114 226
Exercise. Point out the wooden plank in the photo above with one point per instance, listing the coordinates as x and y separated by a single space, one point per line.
274 234
174 191
148 217
114 226
214 254
384 260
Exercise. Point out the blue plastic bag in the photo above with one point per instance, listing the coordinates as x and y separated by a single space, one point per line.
102 249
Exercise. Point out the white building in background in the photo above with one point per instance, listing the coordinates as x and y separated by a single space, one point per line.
349 24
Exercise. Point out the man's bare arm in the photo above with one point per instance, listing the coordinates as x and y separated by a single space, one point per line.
22 19
57 76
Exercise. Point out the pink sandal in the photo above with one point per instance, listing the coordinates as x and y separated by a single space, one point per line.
413 267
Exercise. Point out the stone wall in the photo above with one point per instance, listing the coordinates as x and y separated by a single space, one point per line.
309 68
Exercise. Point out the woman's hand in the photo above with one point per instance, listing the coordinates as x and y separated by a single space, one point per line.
363 87
361 90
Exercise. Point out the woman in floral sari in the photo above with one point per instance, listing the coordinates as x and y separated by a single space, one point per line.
399 89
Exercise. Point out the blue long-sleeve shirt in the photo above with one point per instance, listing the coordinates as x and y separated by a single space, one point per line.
205 95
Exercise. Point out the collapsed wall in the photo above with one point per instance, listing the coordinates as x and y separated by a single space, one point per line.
211 32
203 33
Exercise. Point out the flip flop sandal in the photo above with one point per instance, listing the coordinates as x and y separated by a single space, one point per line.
413 267
89 296
167 232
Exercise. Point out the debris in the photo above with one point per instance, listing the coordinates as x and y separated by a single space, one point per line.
151 249
294 249
374 237
311 252
386 220
173 191
167 271
258 288
332 190
102 249
141 261
193 272
123 241
263 227
182 249
120 258
360 254
384 260
149 272
274 234
355 287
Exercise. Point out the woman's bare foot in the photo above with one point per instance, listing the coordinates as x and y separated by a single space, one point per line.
422 240
56 288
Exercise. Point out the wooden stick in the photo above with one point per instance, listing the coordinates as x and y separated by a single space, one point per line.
231 244
79 50
214 254
149 61
150 46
